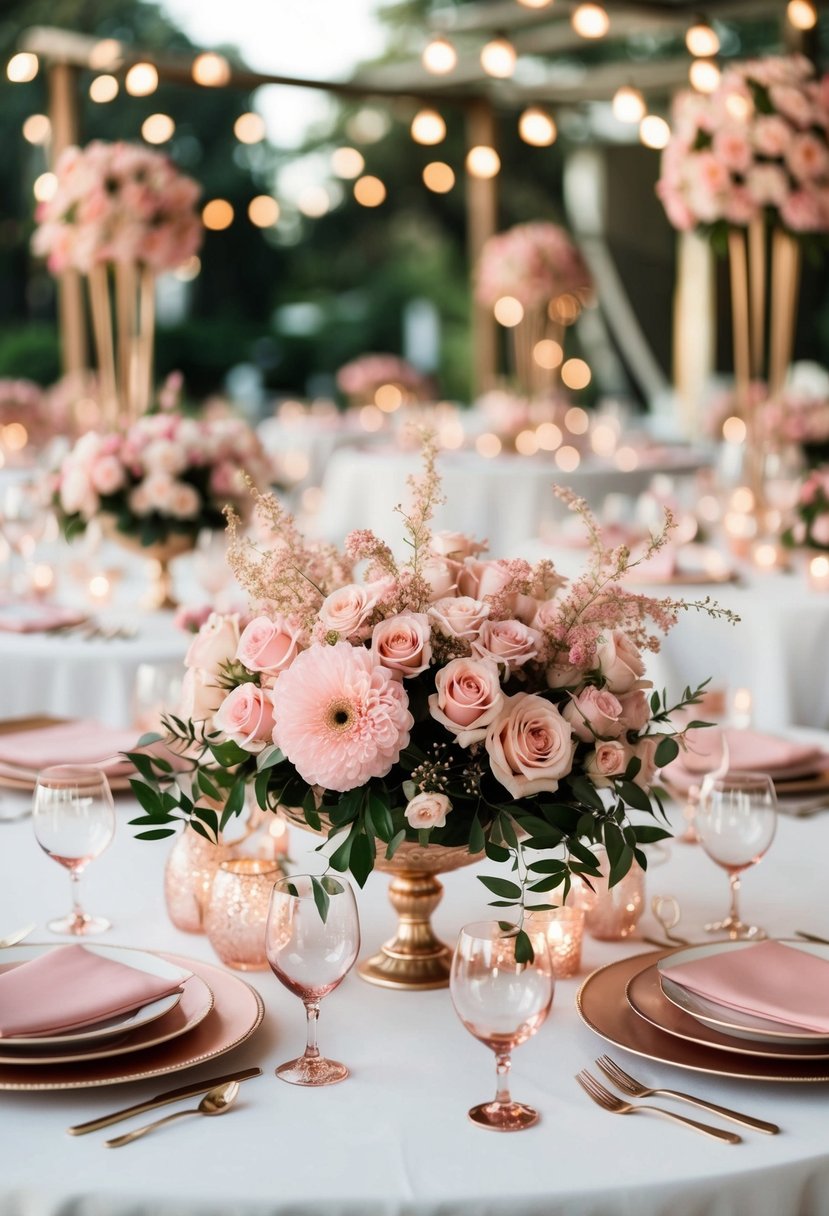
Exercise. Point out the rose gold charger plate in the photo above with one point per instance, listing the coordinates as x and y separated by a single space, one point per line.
603 1007
236 1014
24 781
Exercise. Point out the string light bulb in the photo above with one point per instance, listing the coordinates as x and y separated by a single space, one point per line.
498 58
103 89
428 127
158 128
537 127
438 177
535 3
37 129
702 40
249 128
628 104
802 14
654 132
483 161
141 80
590 20
704 75
439 56
210 70
22 67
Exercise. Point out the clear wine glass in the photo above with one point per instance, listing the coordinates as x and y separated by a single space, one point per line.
502 1003
312 957
210 563
736 821
23 519
74 821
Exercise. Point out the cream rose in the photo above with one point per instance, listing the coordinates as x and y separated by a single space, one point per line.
246 717
184 501
201 696
77 492
530 746
456 545
215 643
441 575
459 616
609 760
595 711
468 698
403 643
347 612
619 661
563 675
507 642
268 645
107 474
428 811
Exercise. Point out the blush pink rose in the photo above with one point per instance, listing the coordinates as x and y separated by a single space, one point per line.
636 710
201 696
107 474
246 717
456 545
348 611
530 746
428 811
441 575
645 750
215 643
619 661
595 711
802 212
459 616
563 675
509 642
268 645
792 103
609 760
731 145
771 135
820 530
468 698
403 643
480 579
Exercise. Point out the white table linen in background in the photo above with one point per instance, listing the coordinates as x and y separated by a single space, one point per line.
505 500
394 1139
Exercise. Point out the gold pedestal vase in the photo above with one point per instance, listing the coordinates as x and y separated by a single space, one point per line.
160 555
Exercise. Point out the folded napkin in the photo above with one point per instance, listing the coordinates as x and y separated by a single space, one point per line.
767 979
38 618
79 741
71 987
748 751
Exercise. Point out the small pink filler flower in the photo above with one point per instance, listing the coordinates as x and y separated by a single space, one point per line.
340 717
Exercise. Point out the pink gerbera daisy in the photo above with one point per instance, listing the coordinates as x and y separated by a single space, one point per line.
340 717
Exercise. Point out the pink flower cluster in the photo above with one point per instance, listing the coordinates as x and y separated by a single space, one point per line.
361 378
498 661
118 202
798 415
534 263
164 465
759 144
810 526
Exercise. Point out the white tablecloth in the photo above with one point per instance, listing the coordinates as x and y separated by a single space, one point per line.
505 500
394 1140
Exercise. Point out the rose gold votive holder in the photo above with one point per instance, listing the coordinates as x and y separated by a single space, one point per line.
238 911
564 930
612 913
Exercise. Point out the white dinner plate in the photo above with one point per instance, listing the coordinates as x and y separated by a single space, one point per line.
86 1035
729 1021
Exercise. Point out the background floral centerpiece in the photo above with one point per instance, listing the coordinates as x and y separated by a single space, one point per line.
448 700
810 527
361 380
120 214
537 282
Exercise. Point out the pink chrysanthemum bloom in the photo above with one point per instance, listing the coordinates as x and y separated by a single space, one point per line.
340 717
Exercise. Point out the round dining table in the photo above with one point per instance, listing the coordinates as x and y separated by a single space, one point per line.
394 1139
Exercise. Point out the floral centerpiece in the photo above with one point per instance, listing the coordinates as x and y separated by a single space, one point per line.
748 165
23 405
360 379
122 208
446 701
810 527
538 270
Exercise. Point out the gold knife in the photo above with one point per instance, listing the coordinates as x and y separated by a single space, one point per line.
171 1095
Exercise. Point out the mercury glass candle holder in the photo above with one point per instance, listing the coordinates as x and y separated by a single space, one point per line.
564 930
612 913
238 911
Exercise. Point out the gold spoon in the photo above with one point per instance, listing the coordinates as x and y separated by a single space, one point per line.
215 1102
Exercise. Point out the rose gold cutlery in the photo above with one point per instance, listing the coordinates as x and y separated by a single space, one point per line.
617 1106
171 1095
215 1102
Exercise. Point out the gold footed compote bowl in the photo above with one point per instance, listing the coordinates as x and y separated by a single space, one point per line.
160 595
414 959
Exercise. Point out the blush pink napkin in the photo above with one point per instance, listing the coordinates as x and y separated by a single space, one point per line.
71 987
37 618
767 979
80 741
748 751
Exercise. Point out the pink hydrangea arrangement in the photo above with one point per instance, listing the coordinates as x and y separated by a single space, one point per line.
798 415
758 145
360 379
449 699
534 263
810 527
118 202
164 474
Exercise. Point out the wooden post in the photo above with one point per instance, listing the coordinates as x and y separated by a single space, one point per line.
694 329
482 221
63 115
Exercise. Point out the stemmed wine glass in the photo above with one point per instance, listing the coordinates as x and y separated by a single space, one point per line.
503 1003
311 956
22 518
74 821
736 821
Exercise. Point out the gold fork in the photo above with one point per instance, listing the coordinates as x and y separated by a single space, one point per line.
635 1089
608 1101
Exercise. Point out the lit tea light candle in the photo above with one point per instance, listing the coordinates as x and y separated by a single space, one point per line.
768 555
42 580
100 589
819 573
564 930
741 708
